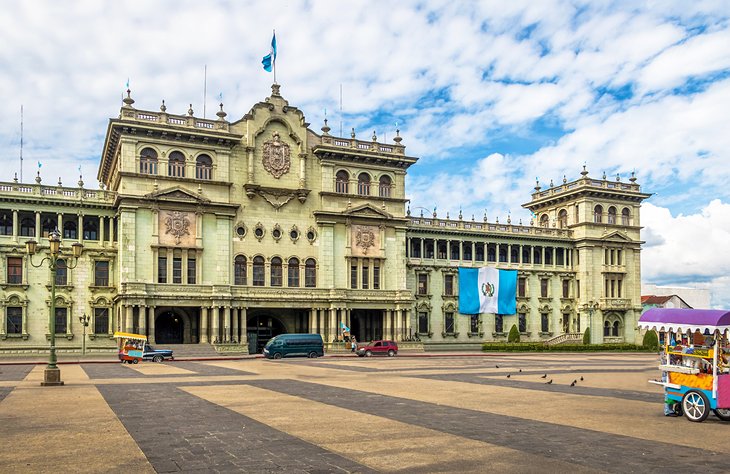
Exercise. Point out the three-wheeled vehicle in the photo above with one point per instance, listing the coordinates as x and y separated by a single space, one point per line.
694 360
131 346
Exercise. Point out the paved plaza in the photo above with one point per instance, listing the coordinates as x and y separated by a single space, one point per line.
347 414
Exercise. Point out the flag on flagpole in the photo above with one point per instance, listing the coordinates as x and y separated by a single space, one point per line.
343 327
270 59
39 165
487 290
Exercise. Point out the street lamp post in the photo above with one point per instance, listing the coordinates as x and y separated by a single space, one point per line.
84 320
52 374
590 307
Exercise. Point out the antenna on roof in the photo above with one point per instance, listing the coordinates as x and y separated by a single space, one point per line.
205 87
21 143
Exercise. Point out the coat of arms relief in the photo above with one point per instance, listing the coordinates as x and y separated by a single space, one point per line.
277 156
365 239
177 224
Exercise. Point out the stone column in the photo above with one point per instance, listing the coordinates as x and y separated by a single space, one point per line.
16 225
204 325
151 336
129 320
143 320
555 256
386 324
234 324
423 248
38 226
101 230
244 325
215 333
59 223
227 323
312 321
80 229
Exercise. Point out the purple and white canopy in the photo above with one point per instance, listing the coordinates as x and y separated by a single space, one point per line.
675 319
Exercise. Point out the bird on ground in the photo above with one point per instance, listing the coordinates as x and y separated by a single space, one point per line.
544 376
509 375
581 378
520 370
572 384
549 381
496 366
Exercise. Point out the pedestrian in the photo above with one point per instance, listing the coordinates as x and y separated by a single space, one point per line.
353 343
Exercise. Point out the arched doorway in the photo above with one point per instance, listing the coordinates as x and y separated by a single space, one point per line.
260 328
169 328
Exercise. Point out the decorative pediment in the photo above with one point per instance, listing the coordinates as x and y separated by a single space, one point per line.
177 194
277 197
617 237
367 210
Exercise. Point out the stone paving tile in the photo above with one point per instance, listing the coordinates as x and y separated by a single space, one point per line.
15 372
110 371
4 392
180 432
201 368
608 452
541 386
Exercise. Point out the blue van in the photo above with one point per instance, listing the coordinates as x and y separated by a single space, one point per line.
293 345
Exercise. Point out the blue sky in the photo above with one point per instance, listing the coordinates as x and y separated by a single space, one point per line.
489 94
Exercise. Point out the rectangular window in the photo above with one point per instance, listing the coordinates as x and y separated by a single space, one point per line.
293 276
61 272
14 319
101 320
191 270
376 277
422 284
449 323
449 285
423 323
544 322
522 321
259 278
177 270
522 287
353 275
474 324
15 270
613 288
566 288
101 273
544 287
618 283
162 269
498 323
577 288
455 253
365 276
61 320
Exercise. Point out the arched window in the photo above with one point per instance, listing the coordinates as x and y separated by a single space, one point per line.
91 228
148 161
614 329
363 184
203 167
27 227
310 273
598 214
276 271
293 273
385 186
342 182
6 224
606 329
176 165
258 271
239 270
61 272
611 215
563 219
69 230
544 221
48 225
625 214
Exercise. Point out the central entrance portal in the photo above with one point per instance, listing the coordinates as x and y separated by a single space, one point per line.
366 324
259 329
169 328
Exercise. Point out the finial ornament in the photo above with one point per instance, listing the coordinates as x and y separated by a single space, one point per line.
326 129
460 215
584 173
604 175
485 215
397 137
618 177
375 137
633 177
408 211
190 110
352 133
565 180
551 183
163 107
38 177
221 113
15 179
59 182
537 185
128 101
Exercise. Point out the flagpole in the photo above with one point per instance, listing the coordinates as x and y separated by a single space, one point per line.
273 61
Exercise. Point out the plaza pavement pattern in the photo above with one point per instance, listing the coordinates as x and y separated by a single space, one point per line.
402 414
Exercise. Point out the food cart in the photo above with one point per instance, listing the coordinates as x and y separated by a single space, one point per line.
131 346
694 360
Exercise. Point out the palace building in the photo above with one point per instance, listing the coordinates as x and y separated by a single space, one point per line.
229 233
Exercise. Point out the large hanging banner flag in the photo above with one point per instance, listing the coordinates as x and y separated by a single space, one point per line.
487 290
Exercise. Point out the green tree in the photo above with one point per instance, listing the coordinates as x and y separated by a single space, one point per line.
587 336
514 334
651 340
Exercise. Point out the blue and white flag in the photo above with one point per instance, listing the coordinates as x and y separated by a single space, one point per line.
487 290
270 59
343 327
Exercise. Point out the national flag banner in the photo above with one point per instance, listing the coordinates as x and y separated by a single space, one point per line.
487 290
270 59
344 327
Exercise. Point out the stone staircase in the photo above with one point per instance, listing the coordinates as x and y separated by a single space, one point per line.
565 338
190 350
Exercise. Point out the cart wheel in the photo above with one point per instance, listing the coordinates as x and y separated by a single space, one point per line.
277 355
135 361
695 405
157 358
723 413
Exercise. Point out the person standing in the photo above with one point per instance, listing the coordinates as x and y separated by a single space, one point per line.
353 343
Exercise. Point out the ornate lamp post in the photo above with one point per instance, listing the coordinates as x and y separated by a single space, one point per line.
590 307
84 320
52 374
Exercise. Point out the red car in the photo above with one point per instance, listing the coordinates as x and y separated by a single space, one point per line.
389 348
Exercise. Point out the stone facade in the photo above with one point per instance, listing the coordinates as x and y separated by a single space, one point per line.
210 231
